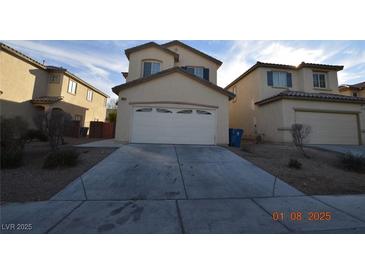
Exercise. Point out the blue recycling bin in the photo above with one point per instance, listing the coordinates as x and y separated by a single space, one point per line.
235 136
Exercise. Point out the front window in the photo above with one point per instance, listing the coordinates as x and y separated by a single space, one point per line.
89 95
280 79
150 67
319 80
72 87
354 94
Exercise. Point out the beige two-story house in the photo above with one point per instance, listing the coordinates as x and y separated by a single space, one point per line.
171 96
270 98
27 86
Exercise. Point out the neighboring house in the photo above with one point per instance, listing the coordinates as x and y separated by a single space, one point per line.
171 96
28 86
270 98
357 90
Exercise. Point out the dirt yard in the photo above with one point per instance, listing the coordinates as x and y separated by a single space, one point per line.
322 173
31 182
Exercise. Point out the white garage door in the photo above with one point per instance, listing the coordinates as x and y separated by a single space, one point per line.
330 128
173 126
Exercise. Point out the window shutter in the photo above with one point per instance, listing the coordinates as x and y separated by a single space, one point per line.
206 74
269 78
289 80
146 69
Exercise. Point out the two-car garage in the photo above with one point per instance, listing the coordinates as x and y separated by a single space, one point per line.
330 127
173 125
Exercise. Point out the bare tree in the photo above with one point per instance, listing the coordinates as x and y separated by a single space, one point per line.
52 123
299 133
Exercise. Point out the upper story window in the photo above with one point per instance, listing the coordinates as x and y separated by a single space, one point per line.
280 79
151 67
319 79
54 78
72 87
89 95
198 71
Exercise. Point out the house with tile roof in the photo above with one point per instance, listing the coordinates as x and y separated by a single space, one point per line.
270 98
171 96
28 86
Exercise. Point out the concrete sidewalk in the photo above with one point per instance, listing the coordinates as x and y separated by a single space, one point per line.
182 189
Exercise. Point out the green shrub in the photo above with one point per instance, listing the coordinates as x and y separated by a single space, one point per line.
353 162
36 134
61 158
13 136
294 163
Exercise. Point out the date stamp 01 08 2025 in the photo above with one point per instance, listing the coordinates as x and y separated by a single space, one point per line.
300 216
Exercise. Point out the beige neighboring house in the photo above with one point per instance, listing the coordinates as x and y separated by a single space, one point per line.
171 96
28 86
270 98
357 90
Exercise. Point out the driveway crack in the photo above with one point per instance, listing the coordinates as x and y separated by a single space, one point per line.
181 175
64 217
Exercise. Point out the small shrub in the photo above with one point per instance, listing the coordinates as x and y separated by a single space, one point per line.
299 134
36 134
61 158
294 163
353 162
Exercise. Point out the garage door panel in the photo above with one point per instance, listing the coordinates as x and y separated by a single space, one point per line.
330 128
173 127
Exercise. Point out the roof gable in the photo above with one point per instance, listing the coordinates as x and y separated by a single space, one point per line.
166 72
148 45
198 52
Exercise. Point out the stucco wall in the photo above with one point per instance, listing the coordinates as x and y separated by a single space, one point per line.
189 58
173 88
242 110
136 59
20 81
95 110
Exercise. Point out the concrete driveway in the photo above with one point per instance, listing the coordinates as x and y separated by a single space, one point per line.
181 189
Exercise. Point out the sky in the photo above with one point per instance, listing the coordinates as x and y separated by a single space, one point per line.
101 62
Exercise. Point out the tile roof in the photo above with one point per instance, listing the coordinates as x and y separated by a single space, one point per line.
283 66
301 95
162 73
46 99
